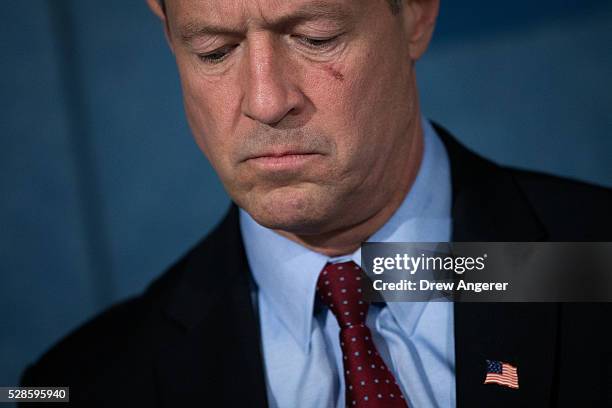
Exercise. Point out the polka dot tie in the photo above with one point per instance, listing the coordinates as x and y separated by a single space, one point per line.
368 382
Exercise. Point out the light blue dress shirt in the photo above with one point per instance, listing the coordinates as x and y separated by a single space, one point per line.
300 338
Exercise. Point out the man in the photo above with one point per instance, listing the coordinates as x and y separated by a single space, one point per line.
308 111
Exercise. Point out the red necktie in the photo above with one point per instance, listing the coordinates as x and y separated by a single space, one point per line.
368 381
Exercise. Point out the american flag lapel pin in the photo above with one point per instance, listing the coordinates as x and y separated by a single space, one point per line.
501 373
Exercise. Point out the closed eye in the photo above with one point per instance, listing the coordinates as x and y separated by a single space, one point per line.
218 55
316 43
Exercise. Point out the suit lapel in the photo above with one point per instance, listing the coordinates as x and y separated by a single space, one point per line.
489 206
209 347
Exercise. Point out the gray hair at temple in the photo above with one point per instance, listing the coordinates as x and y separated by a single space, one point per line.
396 5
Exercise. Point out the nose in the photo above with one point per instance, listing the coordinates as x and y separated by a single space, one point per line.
269 93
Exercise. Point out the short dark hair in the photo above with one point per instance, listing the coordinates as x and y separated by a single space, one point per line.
396 5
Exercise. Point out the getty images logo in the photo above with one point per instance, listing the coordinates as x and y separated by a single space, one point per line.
412 264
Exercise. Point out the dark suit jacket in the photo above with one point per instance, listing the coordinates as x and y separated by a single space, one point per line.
193 335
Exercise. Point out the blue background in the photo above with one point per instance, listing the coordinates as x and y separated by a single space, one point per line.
102 186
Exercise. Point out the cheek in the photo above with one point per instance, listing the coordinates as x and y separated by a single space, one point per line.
363 105
209 114
348 100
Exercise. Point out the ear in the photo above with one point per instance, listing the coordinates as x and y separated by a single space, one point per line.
157 9
419 22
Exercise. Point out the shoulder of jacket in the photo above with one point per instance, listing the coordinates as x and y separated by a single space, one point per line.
571 210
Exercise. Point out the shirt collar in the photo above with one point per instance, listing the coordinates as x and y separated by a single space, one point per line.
286 272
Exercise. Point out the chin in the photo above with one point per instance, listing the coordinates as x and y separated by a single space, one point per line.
299 212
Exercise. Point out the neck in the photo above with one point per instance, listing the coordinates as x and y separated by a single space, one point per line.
348 239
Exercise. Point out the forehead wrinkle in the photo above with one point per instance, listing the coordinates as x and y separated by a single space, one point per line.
309 11
312 10
195 29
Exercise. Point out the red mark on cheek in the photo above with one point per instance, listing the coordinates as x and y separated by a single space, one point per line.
335 73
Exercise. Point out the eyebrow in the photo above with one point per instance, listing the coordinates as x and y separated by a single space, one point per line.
315 10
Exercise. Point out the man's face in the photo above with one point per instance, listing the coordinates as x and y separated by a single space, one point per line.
306 108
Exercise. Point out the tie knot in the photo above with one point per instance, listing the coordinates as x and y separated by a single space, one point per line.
339 287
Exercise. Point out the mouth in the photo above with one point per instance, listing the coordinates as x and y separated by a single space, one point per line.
284 160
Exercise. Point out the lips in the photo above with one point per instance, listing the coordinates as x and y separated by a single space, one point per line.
280 154
282 159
